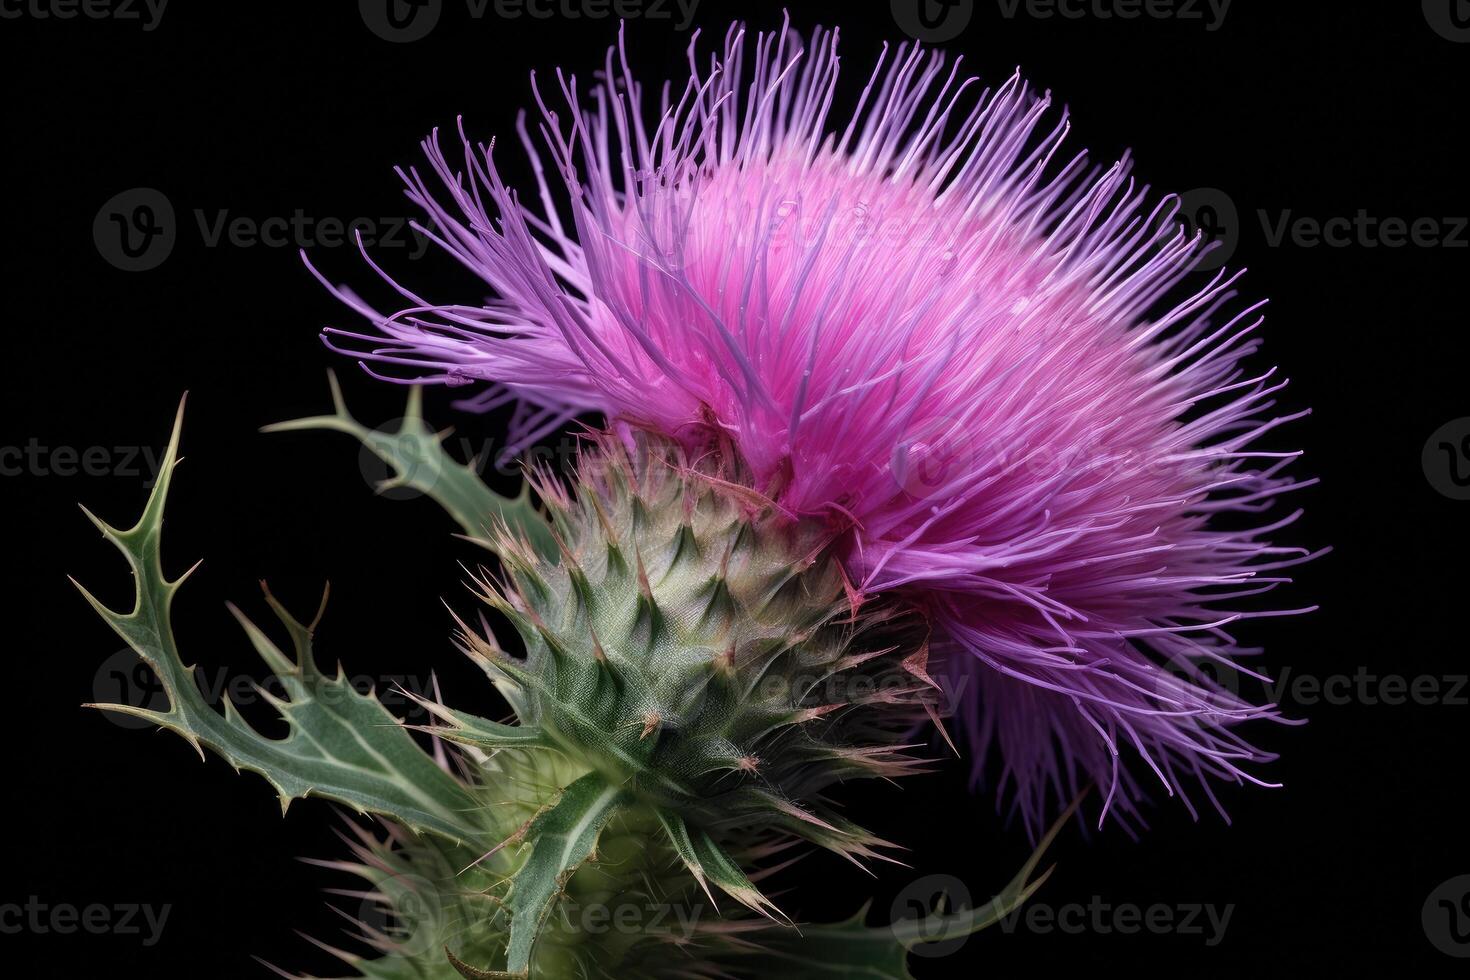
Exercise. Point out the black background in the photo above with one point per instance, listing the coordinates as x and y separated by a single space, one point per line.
263 109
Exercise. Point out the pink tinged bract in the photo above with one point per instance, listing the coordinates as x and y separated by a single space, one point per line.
926 325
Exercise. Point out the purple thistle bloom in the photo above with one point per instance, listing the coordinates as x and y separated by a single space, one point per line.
925 326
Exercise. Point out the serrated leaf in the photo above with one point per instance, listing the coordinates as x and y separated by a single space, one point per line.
563 835
417 455
342 745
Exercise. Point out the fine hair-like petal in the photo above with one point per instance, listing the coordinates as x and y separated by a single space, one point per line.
924 323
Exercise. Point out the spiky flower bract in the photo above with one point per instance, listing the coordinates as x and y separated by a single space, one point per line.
697 649
922 325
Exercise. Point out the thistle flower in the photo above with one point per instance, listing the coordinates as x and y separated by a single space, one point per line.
924 328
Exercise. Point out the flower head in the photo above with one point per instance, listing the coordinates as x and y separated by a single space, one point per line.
924 324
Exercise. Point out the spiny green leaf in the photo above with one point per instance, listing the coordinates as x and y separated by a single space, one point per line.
562 836
678 834
854 949
342 745
461 726
419 461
